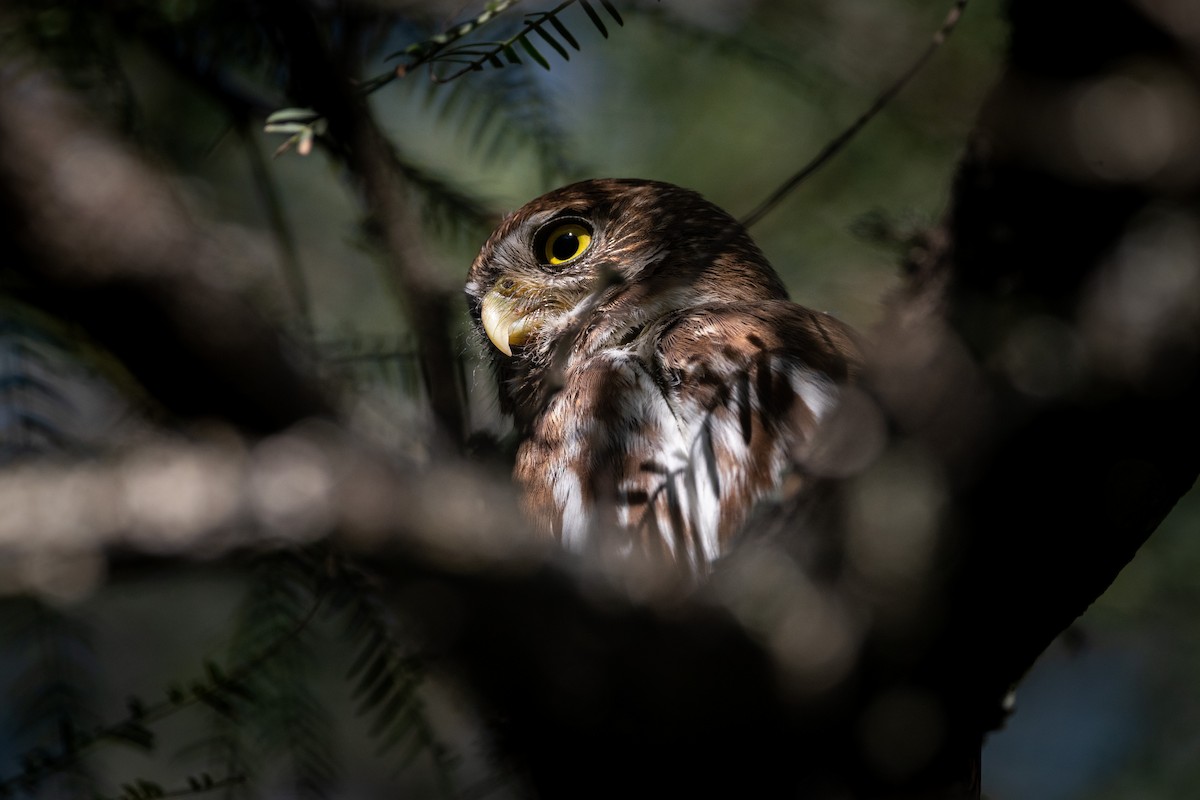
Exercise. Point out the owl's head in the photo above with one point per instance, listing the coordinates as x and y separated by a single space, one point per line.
600 259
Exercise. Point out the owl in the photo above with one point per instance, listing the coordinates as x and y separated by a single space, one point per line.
660 381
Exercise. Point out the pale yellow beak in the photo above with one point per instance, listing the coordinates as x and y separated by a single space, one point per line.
507 318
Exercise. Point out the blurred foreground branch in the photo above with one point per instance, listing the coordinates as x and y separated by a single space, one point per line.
102 240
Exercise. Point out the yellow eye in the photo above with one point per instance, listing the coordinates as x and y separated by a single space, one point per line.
566 242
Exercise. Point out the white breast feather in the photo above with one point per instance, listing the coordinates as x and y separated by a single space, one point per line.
685 442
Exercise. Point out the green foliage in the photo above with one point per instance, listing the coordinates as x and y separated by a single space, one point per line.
48 700
57 392
302 125
32 404
196 784
386 674
472 56
289 722
267 719
499 113
494 111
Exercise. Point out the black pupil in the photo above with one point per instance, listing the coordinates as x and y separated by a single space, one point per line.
565 245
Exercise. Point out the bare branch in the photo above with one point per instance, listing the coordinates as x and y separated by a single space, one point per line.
842 139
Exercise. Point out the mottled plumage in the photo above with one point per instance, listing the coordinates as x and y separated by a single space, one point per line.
660 380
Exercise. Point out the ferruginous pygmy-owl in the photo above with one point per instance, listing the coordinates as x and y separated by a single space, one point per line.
660 380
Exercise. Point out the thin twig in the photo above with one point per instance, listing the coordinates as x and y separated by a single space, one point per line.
839 143
424 52
486 51
281 231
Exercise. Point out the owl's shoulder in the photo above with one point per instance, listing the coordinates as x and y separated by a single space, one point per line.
730 336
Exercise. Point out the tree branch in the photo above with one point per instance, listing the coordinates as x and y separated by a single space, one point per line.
320 81
105 241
